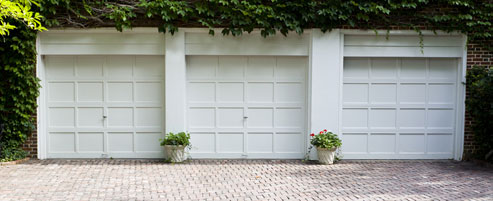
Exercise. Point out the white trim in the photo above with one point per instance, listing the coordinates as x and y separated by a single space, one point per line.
201 43
102 30
461 105
104 41
396 32
41 115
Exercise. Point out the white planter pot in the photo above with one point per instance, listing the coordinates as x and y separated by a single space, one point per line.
176 153
326 156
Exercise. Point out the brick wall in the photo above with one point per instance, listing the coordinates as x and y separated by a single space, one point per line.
31 145
477 55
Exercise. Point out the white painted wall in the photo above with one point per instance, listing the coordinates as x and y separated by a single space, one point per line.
175 83
325 82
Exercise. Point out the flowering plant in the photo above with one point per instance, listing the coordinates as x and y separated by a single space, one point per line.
325 139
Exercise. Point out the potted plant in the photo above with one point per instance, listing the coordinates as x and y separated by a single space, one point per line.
327 144
174 146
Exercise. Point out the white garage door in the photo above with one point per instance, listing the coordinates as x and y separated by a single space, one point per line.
104 106
246 107
399 108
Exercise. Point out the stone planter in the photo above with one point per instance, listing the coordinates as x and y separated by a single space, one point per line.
175 153
326 156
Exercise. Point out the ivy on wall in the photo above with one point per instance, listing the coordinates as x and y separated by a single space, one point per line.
471 17
479 104
18 89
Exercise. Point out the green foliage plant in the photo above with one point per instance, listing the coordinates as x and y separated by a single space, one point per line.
479 105
179 139
18 88
18 10
325 139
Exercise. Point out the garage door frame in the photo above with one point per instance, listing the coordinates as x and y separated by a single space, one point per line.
75 42
405 44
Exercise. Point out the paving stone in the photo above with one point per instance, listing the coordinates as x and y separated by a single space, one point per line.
244 180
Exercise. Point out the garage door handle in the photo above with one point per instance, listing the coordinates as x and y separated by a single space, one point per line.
245 117
104 117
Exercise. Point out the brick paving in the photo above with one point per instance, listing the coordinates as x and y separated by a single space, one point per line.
244 180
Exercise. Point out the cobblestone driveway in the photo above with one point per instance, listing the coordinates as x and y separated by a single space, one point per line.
244 180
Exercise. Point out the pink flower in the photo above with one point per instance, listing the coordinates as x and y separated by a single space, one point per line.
321 132
325 130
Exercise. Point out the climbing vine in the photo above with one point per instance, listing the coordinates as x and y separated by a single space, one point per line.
19 86
471 17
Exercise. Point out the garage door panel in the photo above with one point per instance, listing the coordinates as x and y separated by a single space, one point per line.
245 105
201 67
290 68
355 118
260 142
149 92
89 66
288 118
90 92
261 67
117 97
230 92
61 117
412 93
383 68
383 93
382 143
413 69
91 142
230 117
442 69
412 143
355 143
411 118
120 117
441 93
440 118
120 66
231 67
61 91
149 66
288 143
62 142
203 142
356 68
260 92
60 67
90 117
148 117
289 92
201 92
440 143
355 93
412 99
230 143
120 91
260 117
202 118
382 118
148 142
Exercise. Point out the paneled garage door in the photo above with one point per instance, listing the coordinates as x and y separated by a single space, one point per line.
104 106
246 107
399 108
